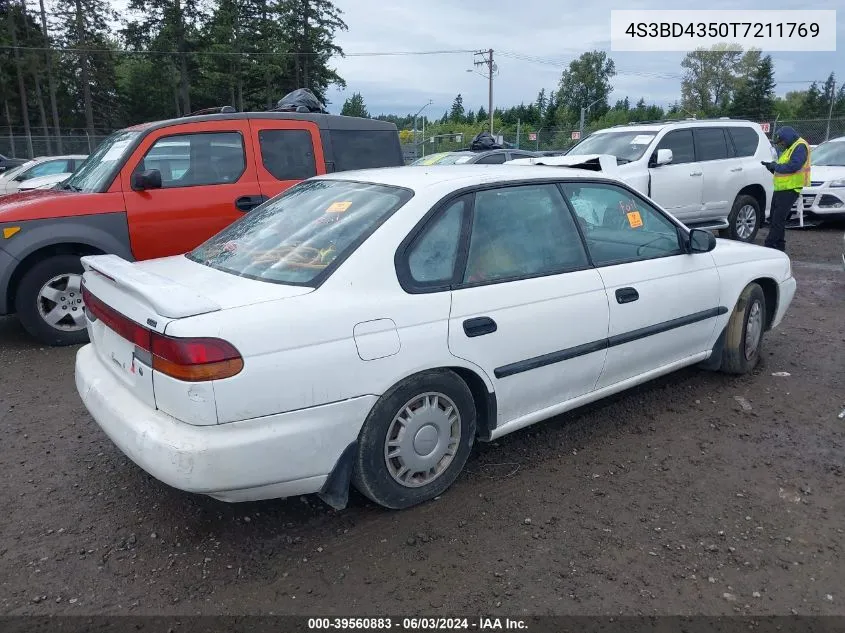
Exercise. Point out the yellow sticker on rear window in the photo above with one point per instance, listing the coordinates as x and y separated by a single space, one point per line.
338 207
634 219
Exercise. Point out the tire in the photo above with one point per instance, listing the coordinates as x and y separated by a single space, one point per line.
33 308
740 355
379 476
739 226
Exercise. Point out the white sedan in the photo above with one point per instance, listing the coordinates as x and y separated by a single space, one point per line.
368 327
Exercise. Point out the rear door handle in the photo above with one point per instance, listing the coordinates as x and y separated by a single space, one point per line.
248 203
627 295
737 169
696 173
479 326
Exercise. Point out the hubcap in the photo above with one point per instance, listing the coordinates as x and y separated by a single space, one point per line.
422 440
746 220
60 303
753 330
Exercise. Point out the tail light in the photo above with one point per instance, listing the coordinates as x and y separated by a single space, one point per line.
188 359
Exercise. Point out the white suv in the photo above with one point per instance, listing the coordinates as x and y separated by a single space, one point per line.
707 173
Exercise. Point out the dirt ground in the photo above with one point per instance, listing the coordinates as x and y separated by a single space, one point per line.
696 494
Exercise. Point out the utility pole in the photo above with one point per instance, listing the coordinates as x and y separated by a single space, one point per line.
830 110
583 115
517 133
485 58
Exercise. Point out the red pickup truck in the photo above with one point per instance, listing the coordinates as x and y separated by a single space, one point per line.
162 189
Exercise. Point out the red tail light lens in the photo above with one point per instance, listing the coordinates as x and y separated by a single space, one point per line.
188 359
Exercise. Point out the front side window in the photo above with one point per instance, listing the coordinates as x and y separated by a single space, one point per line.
710 143
298 236
680 142
288 154
522 231
191 160
619 226
433 255
47 168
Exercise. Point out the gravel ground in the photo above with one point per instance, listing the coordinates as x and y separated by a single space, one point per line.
696 494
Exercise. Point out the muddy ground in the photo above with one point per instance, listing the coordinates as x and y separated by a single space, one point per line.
696 494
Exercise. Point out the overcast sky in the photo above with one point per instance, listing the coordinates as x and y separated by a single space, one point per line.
550 32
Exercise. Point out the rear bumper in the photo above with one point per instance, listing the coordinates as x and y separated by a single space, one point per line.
275 456
785 296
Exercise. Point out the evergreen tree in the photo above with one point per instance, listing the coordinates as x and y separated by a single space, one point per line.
354 106
456 113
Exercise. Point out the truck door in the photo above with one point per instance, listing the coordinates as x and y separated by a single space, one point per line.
287 151
207 182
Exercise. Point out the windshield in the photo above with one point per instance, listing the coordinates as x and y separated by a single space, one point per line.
455 159
829 154
297 236
431 159
626 146
95 172
14 171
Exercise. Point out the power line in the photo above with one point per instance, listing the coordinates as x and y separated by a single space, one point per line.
68 49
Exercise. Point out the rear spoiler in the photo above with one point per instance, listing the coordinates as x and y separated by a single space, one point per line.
591 162
167 297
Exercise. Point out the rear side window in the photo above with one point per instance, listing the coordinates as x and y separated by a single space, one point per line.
710 143
492 159
288 154
366 149
680 142
745 140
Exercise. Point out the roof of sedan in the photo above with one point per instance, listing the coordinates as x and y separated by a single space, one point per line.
422 177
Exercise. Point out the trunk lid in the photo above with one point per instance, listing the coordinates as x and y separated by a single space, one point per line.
153 294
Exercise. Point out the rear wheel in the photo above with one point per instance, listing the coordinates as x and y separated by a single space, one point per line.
744 337
49 301
416 440
744 219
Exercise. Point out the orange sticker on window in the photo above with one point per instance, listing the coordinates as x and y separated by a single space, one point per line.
634 219
338 207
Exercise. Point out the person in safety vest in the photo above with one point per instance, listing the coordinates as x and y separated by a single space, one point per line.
791 172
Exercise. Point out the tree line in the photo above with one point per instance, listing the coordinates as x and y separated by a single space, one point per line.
715 82
63 65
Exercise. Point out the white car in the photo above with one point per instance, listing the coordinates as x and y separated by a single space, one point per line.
11 180
370 326
43 182
825 197
707 173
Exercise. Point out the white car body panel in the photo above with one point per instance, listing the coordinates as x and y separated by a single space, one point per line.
317 361
9 184
43 182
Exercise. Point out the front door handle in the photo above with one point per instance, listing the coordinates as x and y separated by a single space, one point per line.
479 326
737 169
248 203
627 295
696 173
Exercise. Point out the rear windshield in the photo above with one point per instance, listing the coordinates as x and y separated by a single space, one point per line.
302 234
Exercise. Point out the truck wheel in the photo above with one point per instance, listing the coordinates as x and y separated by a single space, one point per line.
49 301
416 440
744 336
744 219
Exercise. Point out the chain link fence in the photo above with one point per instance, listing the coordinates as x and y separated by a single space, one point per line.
18 145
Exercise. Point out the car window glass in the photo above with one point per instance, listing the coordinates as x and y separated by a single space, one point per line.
365 149
288 154
492 159
680 142
433 255
620 226
522 231
190 160
710 143
745 140
46 169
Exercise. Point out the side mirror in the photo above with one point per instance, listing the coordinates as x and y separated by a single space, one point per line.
148 179
701 241
664 157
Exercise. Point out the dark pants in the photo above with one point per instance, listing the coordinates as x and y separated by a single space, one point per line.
782 203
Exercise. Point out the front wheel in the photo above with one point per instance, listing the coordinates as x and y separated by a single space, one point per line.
416 440
49 301
744 219
744 337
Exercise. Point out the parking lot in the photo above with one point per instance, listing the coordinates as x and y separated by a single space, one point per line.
696 494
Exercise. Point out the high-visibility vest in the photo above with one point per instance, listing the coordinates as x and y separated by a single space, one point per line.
798 180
